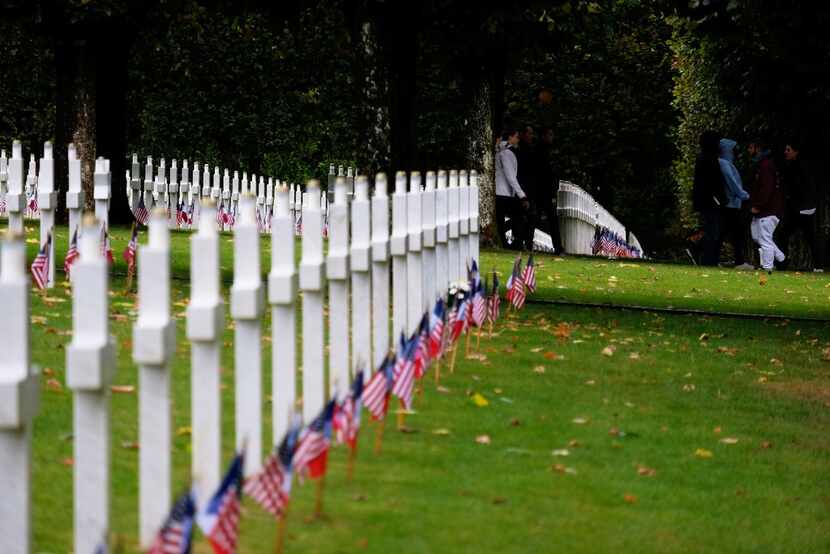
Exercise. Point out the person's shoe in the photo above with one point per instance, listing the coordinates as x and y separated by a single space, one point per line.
745 267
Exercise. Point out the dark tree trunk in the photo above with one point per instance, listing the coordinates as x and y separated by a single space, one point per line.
112 49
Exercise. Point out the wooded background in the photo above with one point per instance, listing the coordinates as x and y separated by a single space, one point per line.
285 89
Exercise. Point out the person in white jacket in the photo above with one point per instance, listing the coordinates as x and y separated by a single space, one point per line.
511 200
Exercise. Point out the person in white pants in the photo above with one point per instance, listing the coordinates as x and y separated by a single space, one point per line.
762 229
767 204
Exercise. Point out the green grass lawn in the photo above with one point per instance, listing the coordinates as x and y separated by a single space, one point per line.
609 429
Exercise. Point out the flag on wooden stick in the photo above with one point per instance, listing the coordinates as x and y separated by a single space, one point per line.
311 457
219 519
72 254
40 265
271 488
376 393
176 535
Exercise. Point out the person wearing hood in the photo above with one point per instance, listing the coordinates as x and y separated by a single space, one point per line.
733 223
709 195
767 204
800 194
511 200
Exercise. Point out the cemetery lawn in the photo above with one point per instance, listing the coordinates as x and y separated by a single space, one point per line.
574 429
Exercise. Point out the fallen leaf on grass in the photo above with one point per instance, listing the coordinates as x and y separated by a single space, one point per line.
68 462
562 331
515 422
766 445
646 471
552 356
48 371
608 351
825 355
127 445
540 369
580 420
634 356
561 452
479 400
442 389
477 356
183 431
762 280
590 382
703 453
688 387
483 439
716 430
54 385
561 468
38 320
630 498
123 389
509 350
499 500
729 440
441 431
726 350
776 361
536 350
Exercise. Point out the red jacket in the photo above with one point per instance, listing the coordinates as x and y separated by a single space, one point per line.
766 196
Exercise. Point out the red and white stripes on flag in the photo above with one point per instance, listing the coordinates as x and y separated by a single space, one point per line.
404 373
529 275
436 330
40 265
130 252
219 519
376 393
271 488
72 254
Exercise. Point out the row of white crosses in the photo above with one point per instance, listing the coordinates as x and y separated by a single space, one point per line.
168 187
422 237
40 183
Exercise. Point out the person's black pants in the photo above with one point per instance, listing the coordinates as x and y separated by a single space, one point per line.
548 210
734 224
511 207
807 223
711 236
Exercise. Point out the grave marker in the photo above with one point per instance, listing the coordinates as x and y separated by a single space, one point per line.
337 273
397 247
414 268
15 199
463 224
47 203
359 258
380 271
428 252
442 263
453 213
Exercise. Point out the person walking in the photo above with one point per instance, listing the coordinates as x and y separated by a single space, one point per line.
527 158
800 194
511 200
708 195
733 222
547 185
767 204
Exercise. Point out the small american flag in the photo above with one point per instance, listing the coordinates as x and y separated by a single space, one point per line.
2 203
376 393
517 286
298 226
40 265
271 488
220 213
421 353
596 242
106 248
479 305
181 214
312 453
346 419
142 215
459 322
176 534
529 276
509 292
33 207
72 254
129 252
494 300
219 520
436 329
404 374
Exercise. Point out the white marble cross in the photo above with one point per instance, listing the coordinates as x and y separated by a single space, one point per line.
442 263
463 224
428 252
15 199
453 213
148 183
205 321
154 344
47 203
102 191
359 258
311 283
247 303
398 248
414 266
90 365
337 273
18 400
474 214
135 182
282 294
380 271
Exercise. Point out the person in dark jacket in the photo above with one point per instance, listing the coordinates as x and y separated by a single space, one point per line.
767 204
800 194
709 195
547 185
528 162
